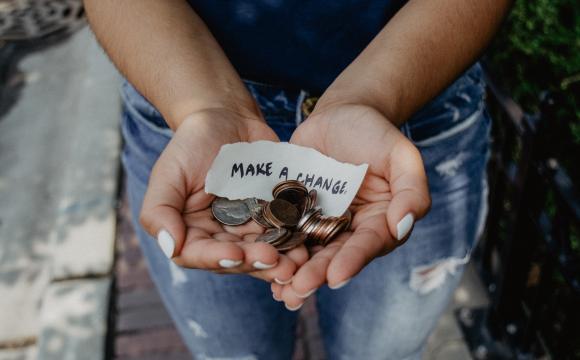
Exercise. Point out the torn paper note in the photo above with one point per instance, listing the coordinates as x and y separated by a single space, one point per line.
243 170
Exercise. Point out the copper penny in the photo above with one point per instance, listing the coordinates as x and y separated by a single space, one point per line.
284 212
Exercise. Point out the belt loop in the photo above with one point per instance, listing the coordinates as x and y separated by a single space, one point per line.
308 105
299 104
406 130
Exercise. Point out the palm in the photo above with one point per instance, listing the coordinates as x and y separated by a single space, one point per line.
201 150
358 134
176 200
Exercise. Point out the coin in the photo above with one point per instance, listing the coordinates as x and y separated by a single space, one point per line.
296 239
295 184
296 197
348 218
256 208
335 225
291 219
312 197
230 212
309 214
282 213
273 236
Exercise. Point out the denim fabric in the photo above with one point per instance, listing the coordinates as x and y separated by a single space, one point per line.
385 312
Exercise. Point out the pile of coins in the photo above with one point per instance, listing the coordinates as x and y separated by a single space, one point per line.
291 218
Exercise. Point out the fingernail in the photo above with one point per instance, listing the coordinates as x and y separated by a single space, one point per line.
304 296
339 285
261 266
293 308
166 243
404 226
275 298
227 263
282 282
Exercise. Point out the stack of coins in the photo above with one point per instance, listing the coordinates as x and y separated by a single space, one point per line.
291 218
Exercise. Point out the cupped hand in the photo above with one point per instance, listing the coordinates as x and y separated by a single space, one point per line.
393 195
176 209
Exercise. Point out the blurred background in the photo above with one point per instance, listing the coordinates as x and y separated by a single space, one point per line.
73 283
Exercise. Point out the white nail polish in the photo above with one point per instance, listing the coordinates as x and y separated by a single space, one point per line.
404 226
339 285
304 296
261 266
166 243
293 308
228 264
280 282
275 298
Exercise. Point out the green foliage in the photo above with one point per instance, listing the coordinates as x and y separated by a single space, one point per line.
538 49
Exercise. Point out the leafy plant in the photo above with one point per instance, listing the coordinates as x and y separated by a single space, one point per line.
537 50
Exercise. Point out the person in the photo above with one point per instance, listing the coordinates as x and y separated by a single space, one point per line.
398 88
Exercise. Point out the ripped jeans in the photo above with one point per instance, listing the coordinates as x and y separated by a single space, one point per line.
388 310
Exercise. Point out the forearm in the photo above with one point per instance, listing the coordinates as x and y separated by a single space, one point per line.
419 52
167 52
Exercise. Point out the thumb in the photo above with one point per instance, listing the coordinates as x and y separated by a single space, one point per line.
408 181
161 213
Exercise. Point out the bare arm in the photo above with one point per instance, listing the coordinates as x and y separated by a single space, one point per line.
167 52
419 52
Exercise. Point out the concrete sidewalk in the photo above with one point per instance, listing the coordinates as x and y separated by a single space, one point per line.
59 150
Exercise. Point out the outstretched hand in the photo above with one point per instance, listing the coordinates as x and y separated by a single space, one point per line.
393 195
176 209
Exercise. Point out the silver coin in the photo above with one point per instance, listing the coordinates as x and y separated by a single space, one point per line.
256 207
230 212
273 236
252 203
296 239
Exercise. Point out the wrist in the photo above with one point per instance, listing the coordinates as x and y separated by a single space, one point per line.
342 99
219 117
242 112
384 104
359 90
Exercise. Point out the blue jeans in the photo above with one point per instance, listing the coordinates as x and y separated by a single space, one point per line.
388 310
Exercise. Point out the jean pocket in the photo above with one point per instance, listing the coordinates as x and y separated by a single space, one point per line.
442 127
142 111
455 109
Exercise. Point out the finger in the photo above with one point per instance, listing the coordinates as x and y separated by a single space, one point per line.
201 251
224 236
299 255
204 220
161 212
259 255
312 275
281 273
370 240
276 291
411 199
251 227
291 301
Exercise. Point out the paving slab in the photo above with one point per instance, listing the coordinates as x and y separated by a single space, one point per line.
446 342
26 353
22 289
59 160
74 320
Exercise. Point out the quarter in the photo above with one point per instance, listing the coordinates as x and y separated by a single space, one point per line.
230 212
